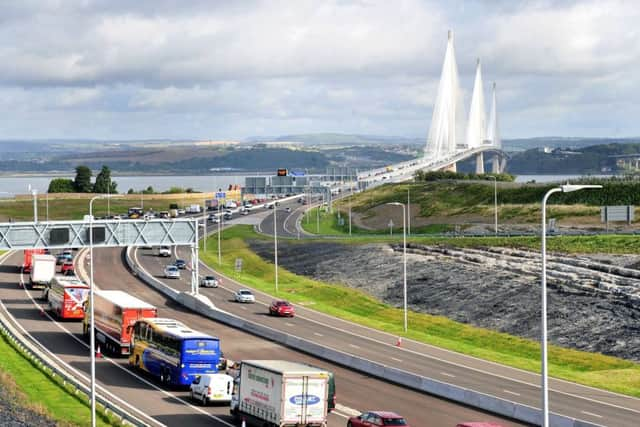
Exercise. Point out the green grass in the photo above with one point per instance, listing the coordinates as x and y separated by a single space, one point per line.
69 209
582 367
36 390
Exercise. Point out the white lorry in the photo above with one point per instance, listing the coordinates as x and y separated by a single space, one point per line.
194 209
43 268
280 393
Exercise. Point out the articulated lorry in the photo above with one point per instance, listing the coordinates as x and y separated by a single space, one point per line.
280 393
26 261
115 312
43 268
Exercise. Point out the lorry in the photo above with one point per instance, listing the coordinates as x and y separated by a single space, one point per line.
115 312
66 296
280 393
194 209
26 261
43 268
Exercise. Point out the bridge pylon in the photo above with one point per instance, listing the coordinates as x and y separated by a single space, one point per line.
479 163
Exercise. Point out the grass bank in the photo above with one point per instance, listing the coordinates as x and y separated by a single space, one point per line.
586 368
76 208
37 391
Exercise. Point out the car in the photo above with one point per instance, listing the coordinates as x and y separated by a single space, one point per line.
164 251
377 418
282 308
287 209
212 388
181 212
209 282
171 272
67 268
181 264
244 295
244 212
270 206
228 216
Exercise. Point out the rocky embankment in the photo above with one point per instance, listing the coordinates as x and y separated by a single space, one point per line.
594 301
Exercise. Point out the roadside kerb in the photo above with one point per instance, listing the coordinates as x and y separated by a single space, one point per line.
452 392
45 362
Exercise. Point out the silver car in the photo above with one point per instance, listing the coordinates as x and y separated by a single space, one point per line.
244 295
171 272
209 282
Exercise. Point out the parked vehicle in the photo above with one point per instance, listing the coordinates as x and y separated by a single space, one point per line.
173 352
26 261
164 251
377 418
43 268
115 313
208 388
244 295
66 296
181 264
282 308
297 394
209 282
67 269
171 272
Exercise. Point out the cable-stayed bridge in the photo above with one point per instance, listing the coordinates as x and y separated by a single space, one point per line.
452 136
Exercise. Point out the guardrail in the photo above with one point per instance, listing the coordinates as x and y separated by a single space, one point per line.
392 374
52 368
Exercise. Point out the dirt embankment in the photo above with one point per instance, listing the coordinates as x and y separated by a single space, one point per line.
594 302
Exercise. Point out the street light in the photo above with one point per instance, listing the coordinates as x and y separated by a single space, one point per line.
545 384
91 313
404 257
495 203
275 241
219 233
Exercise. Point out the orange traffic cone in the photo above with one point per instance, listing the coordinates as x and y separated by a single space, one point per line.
399 342
98 353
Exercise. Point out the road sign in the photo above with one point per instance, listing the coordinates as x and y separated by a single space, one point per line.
617 213
221 195
238 265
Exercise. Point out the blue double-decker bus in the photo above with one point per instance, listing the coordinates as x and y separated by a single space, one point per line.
173 352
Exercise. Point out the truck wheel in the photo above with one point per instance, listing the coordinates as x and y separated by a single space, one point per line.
204 400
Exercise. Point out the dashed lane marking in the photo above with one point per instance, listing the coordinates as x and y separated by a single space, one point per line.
446 374
511 392
591 414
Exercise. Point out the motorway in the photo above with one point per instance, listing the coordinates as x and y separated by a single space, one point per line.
581 402
355 391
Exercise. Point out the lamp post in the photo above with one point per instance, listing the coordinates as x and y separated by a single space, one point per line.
219 233
275 242
349 215
91 312
409 211
545 384
495 203
404 257
34 193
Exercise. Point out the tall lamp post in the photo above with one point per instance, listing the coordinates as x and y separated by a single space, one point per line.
275 242
91 312
495 203
545 383
219 233
404 257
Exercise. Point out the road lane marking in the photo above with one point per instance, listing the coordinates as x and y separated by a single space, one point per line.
396 359
318 334
243 307
289 324
446 374
511 392
354 346
591 414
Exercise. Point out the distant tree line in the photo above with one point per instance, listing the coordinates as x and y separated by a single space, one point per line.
172 190
422 176
82 182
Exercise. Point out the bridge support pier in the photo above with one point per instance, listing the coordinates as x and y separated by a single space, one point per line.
479 164
496 165
451 168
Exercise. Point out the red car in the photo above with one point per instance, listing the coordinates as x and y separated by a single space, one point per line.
377 418
67 268
282 308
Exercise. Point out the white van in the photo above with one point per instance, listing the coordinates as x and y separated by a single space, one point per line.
212 388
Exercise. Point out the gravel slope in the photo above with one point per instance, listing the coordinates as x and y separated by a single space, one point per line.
594 302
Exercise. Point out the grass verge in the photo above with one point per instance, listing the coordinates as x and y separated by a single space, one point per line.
44 394
591 369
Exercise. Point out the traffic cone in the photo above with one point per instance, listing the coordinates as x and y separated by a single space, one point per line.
399 342
98 353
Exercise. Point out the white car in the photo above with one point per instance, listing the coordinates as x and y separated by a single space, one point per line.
244 295
209 282
212 388
171 272
164 251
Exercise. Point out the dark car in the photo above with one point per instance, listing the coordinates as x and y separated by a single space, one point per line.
181 264
282 308
377 418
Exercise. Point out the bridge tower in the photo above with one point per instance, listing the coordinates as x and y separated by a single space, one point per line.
447 131
477 126
498 164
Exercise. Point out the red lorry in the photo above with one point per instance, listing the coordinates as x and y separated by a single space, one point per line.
28 254
115 312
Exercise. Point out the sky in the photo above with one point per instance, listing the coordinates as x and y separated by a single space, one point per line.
213 70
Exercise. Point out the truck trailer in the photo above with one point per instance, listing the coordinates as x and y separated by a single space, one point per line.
43 268
280 393
26 261
115 312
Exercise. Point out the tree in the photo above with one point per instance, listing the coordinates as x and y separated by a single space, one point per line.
82 182
61 185
103 182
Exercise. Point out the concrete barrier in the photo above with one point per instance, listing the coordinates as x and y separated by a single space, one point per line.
494 404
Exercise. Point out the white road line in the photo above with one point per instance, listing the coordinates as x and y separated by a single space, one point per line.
243 307
446 374
318 334
341 415
591 414
289 324
396 359
511 392
354 346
